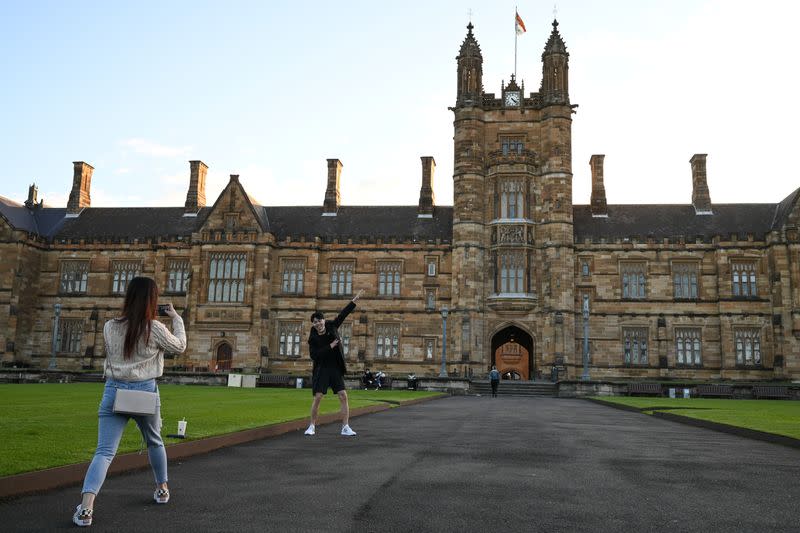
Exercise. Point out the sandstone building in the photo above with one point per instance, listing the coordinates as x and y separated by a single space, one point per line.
699 290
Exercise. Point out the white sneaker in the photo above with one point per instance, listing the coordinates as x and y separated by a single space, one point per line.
311 430
348 432
82 517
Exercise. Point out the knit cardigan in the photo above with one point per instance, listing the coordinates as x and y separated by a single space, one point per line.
146 360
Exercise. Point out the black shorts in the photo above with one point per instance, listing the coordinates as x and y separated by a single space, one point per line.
325 378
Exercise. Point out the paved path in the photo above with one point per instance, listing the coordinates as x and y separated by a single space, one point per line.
461 464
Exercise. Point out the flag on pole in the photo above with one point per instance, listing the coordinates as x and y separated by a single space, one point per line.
519 26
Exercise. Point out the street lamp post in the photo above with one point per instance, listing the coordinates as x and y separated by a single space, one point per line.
54 347
443 371
585 376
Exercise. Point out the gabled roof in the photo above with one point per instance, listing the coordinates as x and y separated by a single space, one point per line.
784 209
37 220
355 222
659 221
128 223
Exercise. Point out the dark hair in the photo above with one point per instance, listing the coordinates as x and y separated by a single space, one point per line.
139 310
318 315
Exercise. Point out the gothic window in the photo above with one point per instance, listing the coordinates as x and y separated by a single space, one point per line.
512 145
684 280
292 276
389 278
123 273
633 280
341 278
74 276
430 266
585 270
69 335
346 333
178 275
511 199
226 277
289 339
430 299
387 339
687 346
635 346
744 278
748 347
512 272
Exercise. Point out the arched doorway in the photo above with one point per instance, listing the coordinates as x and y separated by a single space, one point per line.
512 353
224 357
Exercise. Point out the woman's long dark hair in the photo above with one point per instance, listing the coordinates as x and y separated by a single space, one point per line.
139 310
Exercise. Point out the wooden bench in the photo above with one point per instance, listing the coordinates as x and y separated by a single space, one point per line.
709 390
776 392
644 388
275 380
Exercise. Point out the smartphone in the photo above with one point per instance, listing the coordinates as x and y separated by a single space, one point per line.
162 309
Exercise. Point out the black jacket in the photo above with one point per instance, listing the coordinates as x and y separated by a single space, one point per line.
320 345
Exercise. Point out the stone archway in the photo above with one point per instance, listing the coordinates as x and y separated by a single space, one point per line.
224 357
513 353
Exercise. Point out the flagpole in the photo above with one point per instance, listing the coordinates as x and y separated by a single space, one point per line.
516 14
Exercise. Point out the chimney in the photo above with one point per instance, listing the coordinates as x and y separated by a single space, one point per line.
81 183
426 201
196 196
701 199
331 205
598 201
33 193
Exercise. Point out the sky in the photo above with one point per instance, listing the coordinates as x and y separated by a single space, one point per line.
269 90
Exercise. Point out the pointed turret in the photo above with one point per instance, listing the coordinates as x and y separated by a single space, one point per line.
470 71
555 69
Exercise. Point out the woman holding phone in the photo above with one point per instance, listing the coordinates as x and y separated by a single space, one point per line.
134 349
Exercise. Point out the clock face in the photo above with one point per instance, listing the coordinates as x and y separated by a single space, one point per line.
512 98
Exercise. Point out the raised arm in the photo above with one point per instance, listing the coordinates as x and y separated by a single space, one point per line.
174 342
347 309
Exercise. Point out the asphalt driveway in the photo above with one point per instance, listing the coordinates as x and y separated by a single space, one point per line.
460 464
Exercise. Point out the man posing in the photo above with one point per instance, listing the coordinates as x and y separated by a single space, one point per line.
329 369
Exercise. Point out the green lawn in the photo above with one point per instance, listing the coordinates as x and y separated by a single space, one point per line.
781 417
47 425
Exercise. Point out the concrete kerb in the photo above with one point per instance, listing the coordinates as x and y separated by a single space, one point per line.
63 476
783 440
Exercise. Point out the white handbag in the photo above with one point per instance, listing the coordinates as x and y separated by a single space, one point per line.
135 402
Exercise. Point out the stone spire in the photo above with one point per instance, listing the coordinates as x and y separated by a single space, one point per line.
470 71
555 70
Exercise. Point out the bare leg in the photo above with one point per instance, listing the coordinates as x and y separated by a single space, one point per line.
345 410
87 500
315 407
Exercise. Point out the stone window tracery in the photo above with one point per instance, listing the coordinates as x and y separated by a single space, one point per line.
74 277
226 277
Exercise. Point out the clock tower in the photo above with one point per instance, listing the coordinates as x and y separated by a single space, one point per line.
513 254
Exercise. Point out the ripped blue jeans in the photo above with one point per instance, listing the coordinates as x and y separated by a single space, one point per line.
110 427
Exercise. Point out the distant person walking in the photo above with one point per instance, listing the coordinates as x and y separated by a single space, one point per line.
329 369
134 349
494 379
